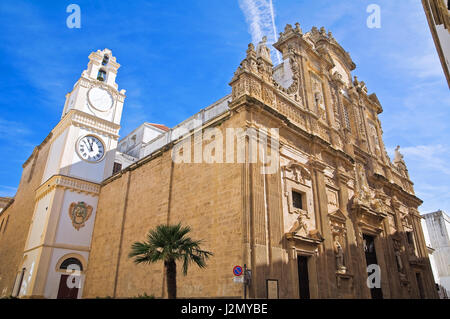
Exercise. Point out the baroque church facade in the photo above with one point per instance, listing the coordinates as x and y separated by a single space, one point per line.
335 208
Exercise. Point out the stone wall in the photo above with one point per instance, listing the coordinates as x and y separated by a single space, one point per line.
207 197
16 218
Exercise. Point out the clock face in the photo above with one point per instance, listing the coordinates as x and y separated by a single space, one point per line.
100 99
90 148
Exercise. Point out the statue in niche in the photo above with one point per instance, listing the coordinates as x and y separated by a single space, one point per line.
362 195
398 258
363 184
339 252
399 261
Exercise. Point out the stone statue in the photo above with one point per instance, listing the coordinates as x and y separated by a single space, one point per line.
399 261
398 156
339 256
262 50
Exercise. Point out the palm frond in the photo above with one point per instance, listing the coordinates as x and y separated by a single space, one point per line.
170 243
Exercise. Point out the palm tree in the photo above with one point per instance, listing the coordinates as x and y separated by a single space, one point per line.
168 243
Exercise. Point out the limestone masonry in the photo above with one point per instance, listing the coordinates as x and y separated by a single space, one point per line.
335 207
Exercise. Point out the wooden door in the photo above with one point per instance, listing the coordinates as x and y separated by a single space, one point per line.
65 292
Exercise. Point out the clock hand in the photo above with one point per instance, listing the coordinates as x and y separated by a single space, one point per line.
86 143
90 145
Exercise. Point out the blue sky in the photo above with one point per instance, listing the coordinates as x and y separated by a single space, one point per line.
179 56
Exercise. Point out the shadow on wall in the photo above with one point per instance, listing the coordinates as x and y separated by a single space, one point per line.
387 264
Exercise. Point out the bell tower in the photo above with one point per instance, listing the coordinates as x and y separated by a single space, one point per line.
81 156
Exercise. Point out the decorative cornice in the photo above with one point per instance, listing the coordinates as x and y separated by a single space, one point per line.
91 122
67 182
317 164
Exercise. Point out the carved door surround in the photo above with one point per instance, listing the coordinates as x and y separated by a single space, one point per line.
297 178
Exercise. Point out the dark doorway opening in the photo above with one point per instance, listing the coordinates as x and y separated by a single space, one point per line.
420 285
371 258
303 279
65 292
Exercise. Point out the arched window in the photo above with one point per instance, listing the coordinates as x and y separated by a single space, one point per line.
105 60
71 261
101 76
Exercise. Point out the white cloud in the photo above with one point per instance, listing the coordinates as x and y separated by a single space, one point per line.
429 169
427 156
7 191
260 16
11 129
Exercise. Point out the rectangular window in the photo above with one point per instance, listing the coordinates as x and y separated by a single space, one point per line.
117 168
409 236
346 117
297 200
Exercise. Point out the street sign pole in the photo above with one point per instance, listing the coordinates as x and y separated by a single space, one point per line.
245 281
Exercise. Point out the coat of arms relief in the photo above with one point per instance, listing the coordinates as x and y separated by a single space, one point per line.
79 213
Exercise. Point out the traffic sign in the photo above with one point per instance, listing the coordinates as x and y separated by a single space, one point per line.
237 271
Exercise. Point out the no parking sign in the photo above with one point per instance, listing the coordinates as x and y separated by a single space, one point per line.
237 271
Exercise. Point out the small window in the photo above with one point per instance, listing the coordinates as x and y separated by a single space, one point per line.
117 168
297 199
71 261
409 236
101 75
346 117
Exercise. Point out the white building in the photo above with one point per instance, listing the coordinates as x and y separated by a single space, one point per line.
438 16
437 235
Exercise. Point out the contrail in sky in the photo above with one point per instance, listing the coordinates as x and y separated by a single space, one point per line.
260 16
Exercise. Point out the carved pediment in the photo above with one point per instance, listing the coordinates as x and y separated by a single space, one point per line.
299 228
296 172
368 218
337 216
306 244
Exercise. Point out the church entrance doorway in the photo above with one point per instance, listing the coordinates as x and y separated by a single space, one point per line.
371 259
69 284
303 278
64 292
